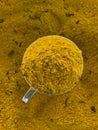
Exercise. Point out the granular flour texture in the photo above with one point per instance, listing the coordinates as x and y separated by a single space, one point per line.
52 64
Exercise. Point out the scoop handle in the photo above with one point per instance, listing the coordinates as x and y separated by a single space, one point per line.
28 95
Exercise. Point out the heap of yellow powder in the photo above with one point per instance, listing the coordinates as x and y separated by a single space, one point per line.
52 64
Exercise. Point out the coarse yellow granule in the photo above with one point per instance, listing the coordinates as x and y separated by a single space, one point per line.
22 22
52 64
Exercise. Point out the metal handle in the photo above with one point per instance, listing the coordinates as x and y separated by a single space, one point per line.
28 95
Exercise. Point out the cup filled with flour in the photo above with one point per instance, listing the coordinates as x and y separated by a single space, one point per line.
51 65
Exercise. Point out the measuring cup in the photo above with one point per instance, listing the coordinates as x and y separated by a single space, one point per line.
36 44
